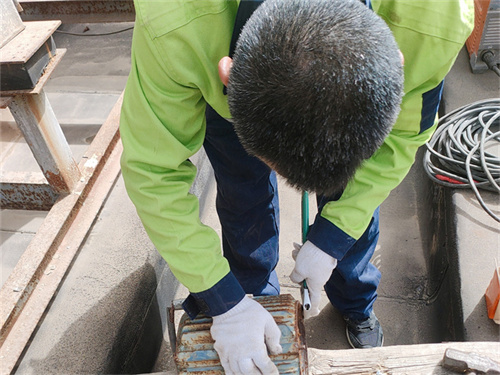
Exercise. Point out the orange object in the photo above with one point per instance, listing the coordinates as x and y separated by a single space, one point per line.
492 297
485 36
480 12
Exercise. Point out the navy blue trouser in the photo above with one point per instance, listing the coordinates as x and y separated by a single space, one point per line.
352 288
247 205
248 209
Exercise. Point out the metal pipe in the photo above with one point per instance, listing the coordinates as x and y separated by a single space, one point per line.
38 123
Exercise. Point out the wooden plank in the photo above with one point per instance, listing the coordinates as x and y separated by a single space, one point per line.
26 43
400 359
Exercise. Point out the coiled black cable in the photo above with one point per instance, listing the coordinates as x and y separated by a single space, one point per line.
456 154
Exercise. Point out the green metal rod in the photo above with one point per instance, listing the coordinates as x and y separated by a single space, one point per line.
306 302
305 215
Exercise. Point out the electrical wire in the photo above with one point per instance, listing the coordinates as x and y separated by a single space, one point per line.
496 70
489 58
456 154
99 34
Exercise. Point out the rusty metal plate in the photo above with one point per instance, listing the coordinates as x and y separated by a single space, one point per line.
195 353
26 191
25 44
78 11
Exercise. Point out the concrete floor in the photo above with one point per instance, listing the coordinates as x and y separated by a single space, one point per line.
92 325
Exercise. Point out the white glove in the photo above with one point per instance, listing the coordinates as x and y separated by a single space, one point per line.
241 335
315 267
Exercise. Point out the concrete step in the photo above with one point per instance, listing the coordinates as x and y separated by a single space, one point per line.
470 239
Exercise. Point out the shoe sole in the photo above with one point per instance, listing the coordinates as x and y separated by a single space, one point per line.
354 347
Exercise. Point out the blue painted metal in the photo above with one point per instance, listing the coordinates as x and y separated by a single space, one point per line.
195 353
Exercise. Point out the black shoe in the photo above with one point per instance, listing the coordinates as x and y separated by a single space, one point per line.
365 333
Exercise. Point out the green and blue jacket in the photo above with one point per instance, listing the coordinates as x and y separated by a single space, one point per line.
176 47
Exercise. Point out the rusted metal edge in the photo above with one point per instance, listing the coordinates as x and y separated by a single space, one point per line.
21 48
101 147
4 102
54 61
172 335
302 346
78 11
55 231
26 191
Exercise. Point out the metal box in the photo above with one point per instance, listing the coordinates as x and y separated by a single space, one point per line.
486 34
195 353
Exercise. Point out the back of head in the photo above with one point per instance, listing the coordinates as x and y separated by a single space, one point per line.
314 89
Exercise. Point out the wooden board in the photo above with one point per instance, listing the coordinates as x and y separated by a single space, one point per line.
401 359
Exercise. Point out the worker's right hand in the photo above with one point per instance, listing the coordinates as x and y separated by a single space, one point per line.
315 267
243 335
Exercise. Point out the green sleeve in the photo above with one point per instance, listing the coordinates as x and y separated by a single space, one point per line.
163 124
430 34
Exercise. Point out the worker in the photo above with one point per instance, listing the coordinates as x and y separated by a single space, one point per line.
314 92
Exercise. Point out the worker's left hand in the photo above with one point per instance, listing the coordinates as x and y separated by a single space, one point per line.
243 335
315 267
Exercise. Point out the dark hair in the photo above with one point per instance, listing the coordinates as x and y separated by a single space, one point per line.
314 89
